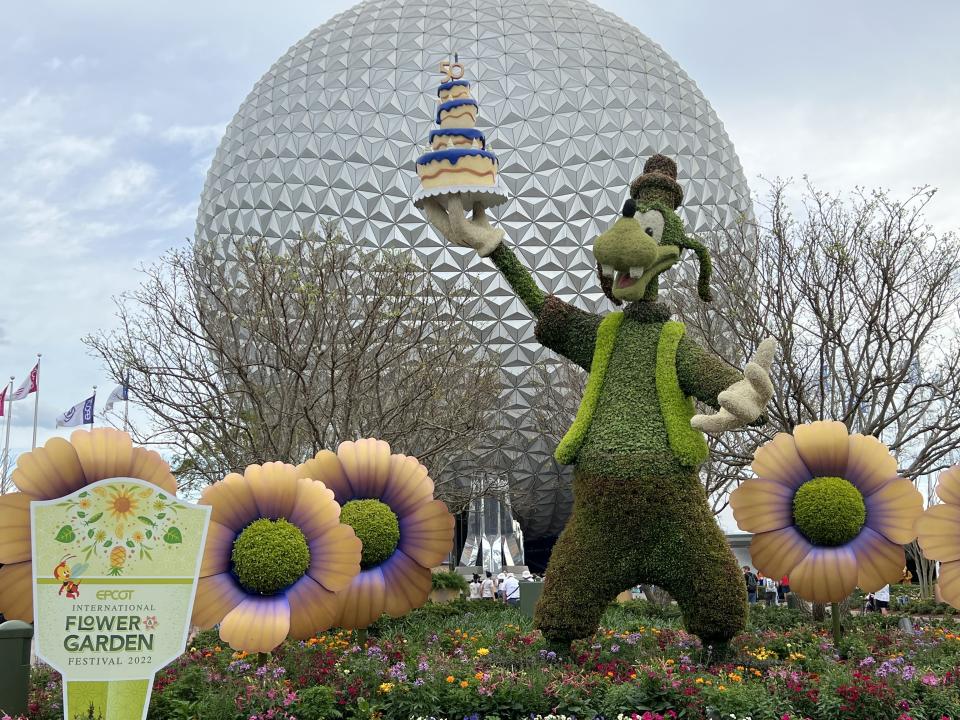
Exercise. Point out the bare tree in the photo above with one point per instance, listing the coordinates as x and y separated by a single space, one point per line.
276 356
862 296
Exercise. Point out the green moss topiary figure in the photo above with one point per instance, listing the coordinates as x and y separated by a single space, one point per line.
640 513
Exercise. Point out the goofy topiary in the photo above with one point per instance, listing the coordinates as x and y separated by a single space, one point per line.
640 513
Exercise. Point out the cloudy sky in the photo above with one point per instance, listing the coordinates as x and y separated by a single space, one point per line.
110 112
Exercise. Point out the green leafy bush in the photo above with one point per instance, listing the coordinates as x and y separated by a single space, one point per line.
449 581
270 555
377 527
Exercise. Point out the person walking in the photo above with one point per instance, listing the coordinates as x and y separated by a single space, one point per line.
770 591
511 590
882 599
751 581
487 588
475 587
783 589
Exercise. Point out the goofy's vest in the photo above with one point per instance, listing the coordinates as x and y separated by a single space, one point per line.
687 443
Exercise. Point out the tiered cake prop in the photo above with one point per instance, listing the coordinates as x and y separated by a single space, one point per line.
458 160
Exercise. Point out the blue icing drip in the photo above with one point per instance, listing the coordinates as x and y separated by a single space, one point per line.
453 155
471 133
450 104
452 83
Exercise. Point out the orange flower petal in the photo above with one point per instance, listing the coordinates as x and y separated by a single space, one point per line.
335 557
257 624
274 487
761 505
825 574
103 452
217 551
893 509
16 591
824 447
148 465
409 485
233 502
938 532
776 553
314 510
216 596
49 472
364 601
426 534
14 528
779 461
949 583
367 465
948 485
408 584
326 468
879 561
870 464
312 608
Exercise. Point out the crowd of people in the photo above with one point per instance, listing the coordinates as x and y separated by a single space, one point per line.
765 589
505 587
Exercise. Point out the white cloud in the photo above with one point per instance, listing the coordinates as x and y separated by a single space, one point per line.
123 183
200 138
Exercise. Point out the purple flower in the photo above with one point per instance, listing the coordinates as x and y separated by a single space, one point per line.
423 665
867 661
908 672
614 648
261 671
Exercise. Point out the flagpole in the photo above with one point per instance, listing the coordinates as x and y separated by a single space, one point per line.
126 409
93 410
6 446
36 404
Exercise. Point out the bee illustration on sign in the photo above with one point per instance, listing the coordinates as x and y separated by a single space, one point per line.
69 577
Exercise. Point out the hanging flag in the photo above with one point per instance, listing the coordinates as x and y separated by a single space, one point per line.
30 385
3 401
79 414
120 392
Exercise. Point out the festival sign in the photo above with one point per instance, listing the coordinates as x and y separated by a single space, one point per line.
115 569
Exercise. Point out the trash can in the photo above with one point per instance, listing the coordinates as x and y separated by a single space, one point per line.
15 637
529 594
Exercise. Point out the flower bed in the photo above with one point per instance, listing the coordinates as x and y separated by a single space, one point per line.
483 660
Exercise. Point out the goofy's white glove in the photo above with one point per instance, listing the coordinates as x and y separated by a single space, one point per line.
744 401
447 216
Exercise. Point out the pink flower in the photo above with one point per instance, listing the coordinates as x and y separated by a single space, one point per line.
930 679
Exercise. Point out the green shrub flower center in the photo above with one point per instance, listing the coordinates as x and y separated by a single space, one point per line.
270 555
377 527
829 511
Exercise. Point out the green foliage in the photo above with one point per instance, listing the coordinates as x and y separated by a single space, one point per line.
270 555
569 446
377 527
518 277
829 511
449 581
315 703
686 442
775 617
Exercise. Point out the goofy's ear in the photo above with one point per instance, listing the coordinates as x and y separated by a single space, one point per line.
706 267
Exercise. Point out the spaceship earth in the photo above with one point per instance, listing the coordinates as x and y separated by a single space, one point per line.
572 100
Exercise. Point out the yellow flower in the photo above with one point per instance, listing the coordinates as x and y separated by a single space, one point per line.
386 687
478 676
670 661
100 536
57 469
699 681
938 531
464 683
735 677
301 515
721 688
138 537
482 651
122 504
84 504
828 509
450 678
366 470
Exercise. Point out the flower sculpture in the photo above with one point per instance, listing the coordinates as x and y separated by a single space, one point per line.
829 510
57 469
938 533
388 500
276 553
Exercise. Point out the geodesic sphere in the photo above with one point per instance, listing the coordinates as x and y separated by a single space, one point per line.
572 100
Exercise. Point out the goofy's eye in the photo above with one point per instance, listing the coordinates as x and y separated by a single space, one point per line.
648 231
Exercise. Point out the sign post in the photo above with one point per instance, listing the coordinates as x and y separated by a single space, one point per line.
115 568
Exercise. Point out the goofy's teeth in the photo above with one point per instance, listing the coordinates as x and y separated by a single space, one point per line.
607 270
636 272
